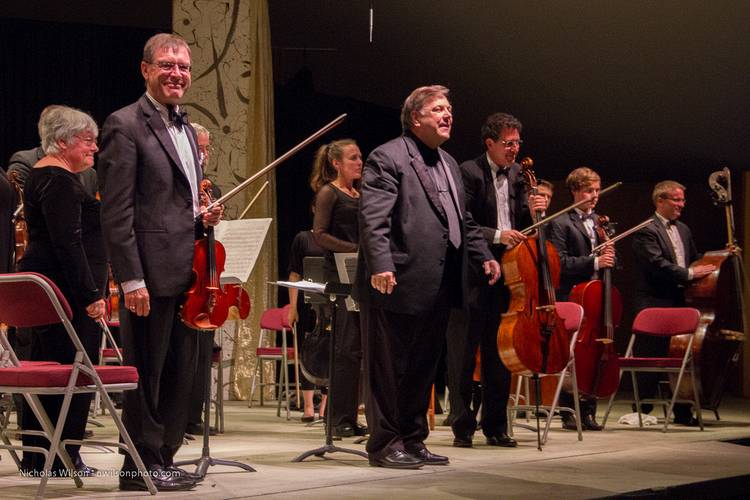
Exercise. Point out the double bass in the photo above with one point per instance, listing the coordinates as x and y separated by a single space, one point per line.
207 302
719 298
531 338
597 363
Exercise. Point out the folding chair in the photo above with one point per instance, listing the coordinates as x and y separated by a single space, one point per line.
572 314
662 322
29 300
275 321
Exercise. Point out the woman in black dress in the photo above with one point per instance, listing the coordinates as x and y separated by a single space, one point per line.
335 178
65 244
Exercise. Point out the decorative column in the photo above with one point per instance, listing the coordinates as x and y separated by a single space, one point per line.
232 96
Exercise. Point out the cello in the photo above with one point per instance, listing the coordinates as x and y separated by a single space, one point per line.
530 339
597 363
719 298
207 302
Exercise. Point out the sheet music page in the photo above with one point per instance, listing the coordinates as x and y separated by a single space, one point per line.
305 286
242 240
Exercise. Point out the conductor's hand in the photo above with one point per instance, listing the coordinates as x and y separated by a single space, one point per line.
138 302
511 237
96 309
383 282
702 271
212 217
492 269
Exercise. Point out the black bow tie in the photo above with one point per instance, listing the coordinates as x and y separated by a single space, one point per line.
178 119
502 171
671 223
585 217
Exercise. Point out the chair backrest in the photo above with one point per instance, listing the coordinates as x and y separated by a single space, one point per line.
31 299
666 321
571 313
276 318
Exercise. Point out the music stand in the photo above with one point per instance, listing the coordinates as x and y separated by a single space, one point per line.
332 291
206 460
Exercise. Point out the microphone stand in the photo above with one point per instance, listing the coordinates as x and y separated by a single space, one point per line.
206 460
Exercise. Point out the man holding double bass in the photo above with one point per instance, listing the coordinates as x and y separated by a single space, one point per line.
149 177
574 236
665 253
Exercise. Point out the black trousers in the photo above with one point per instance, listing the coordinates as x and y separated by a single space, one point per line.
402 352
51 343
478 329
344 387
205 353
164 351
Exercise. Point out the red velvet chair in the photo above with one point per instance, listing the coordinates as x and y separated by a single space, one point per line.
662 322
28 300
275 321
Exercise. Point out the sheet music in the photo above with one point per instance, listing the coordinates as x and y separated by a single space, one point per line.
305 286
346 266
242 240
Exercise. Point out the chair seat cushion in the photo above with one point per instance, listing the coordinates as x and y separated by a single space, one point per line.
38 363
110 352
650 362
274 351
58 376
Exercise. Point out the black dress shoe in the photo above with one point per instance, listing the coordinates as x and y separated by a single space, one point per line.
397 459
462 441
427 456
361 430
569 422
590 424
306 420
176 471
131 480
343 431
83 470
503 440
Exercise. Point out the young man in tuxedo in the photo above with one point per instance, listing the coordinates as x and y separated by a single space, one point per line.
574 236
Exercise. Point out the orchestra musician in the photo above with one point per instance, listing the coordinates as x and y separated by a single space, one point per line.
206 340
574 235
665 254
7 231
496 198
149 178
65 244
416 244
335 179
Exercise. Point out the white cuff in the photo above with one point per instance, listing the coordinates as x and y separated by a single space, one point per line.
132 285
496 239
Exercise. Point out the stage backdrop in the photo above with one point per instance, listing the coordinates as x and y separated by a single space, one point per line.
232 96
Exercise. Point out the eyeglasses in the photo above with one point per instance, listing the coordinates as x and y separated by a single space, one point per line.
509 144
89 141
676 200
167 66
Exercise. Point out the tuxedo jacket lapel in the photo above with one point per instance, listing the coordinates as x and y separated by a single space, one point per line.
156 124
666 241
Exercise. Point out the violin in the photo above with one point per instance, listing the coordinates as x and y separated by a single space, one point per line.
597 363
207 302
18 220
531 338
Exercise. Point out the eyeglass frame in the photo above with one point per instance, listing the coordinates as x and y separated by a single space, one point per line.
511 143
168 66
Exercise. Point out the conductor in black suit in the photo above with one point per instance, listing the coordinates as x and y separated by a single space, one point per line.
149 178
574 236
665 254
416 243
496 198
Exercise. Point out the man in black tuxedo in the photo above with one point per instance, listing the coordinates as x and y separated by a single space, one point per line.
149 176
664 251
574 235
496 198
416 241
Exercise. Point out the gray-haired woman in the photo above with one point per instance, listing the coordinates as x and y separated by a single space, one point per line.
65 244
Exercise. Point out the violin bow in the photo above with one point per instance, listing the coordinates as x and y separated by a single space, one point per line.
260 173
